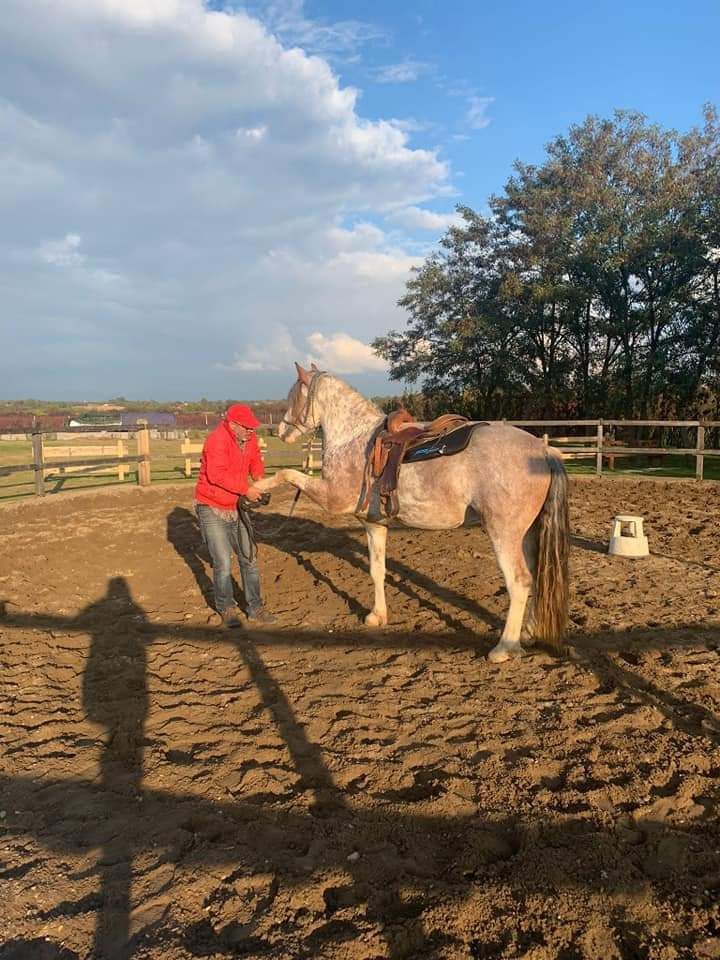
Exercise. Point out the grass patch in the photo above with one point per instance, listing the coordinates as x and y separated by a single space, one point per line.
678 466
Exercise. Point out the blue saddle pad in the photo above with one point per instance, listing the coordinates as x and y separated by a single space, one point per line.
445 446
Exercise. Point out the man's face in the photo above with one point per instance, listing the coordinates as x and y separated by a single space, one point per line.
242 433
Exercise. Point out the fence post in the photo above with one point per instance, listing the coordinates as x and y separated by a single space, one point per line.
143 449
599 444
37 447
700 447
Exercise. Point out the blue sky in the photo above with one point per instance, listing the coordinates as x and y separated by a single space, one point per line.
193 195
546 66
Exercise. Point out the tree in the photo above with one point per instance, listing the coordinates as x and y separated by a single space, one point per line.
593 287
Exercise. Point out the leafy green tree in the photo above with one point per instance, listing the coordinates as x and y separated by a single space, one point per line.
592 289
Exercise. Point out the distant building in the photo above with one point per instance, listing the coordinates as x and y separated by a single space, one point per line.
101 424
130 418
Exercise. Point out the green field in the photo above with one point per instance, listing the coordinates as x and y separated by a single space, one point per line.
168 466
678 466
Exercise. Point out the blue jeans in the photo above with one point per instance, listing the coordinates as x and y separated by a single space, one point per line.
223 538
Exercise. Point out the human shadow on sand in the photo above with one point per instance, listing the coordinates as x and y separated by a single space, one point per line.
114 695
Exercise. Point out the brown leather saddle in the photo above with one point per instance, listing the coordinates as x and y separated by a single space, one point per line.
400 439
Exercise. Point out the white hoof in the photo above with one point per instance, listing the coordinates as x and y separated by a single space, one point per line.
375 620
505 651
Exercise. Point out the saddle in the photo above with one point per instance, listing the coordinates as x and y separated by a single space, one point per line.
400 440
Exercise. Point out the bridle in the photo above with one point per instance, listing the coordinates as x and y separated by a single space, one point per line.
301 422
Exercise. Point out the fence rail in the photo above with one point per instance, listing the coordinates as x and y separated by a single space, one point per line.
614 423
598 446
604 448
44 464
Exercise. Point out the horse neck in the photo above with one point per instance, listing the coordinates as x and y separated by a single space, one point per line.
344 414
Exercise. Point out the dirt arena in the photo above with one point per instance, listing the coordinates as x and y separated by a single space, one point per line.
325 791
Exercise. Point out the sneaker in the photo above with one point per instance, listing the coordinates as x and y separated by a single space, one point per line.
230 618
262 617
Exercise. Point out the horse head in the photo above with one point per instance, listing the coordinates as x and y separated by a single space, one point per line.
301 416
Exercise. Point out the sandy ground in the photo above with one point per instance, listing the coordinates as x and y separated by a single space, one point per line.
168 790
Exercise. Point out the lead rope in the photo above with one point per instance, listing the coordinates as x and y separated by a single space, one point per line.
298 494
246 520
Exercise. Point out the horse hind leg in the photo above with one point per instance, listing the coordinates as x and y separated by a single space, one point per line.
531 546
513 560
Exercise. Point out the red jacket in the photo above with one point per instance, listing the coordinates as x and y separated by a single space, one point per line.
224 468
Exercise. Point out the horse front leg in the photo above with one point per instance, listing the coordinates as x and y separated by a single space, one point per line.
316 488
377 540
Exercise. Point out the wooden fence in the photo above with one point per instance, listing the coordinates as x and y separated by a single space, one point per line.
67 460
191 451
42 465
601 447
59 461
312 456
596 444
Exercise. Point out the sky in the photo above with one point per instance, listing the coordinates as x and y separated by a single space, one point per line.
195 194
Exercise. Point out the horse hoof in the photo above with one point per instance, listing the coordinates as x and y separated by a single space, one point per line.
375 620
501 653
498 656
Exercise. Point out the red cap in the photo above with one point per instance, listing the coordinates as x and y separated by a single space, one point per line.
242 414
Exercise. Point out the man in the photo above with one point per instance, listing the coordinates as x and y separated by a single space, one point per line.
231 453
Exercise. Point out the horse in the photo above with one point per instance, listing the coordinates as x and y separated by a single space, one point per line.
505 478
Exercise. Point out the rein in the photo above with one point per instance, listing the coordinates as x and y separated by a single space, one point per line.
288 518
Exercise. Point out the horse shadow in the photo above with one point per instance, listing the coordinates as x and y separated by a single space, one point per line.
302 536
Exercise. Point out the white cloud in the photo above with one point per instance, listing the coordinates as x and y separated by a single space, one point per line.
362 236
336 352
277 352
477 109
186 175
412 125
406 72
372 267
62 253
252 134
356 261
417 218
338 40
340 353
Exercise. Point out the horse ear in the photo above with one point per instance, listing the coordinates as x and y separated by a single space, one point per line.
302 375
315 368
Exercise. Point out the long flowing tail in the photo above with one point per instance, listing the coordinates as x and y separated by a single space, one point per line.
552 583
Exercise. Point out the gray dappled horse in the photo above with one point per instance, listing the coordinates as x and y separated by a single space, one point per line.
505 477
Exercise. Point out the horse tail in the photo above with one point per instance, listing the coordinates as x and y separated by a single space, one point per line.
552 581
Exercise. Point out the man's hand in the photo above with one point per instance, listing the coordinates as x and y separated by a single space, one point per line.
253 493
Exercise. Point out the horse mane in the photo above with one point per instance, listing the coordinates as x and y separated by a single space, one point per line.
369 405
